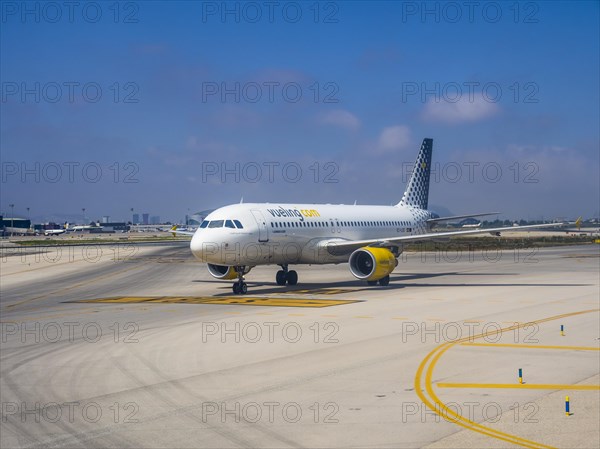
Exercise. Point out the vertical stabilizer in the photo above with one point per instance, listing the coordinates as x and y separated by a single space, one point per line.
417 189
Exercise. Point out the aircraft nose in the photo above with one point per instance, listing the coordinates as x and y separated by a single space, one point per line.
203 248
196 245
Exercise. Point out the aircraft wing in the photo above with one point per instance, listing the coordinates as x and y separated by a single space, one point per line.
460 217
341 246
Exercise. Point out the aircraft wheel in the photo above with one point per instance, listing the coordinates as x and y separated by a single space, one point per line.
280 277
384 281
243 288
292 277
236 288
371 282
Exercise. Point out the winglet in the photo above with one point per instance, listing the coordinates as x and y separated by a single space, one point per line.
578 223
173 229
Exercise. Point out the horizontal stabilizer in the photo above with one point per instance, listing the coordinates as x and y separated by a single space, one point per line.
176 232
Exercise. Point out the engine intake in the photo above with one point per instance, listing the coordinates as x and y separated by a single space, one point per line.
223 271
372 264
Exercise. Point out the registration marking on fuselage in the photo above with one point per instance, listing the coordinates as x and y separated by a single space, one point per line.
223 300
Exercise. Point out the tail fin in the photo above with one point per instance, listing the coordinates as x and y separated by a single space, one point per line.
417 189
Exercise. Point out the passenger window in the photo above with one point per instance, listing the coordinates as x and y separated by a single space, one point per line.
238 224
216 224
204 224
229 224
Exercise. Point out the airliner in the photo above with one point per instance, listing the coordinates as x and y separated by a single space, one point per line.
236 238
54 231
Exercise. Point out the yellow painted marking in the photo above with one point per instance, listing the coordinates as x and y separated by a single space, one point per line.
363 316
510 345
226 300
434 402
522 386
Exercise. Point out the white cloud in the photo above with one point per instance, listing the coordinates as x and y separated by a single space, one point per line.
394 138
341 118
465 109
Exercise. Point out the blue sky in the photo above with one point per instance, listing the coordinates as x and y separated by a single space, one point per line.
509 92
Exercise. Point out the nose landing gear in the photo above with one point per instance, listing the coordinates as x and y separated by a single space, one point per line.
240 287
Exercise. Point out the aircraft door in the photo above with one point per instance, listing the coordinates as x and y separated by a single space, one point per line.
263 231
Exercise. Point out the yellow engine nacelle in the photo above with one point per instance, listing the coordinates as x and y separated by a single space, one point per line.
223 271
372 264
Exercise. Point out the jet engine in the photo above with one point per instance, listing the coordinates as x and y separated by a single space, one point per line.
371 264
223 271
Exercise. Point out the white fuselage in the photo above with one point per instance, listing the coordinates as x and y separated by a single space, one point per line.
295 233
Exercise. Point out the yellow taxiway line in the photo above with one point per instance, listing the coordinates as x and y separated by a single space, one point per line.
424 387
519 386
515 345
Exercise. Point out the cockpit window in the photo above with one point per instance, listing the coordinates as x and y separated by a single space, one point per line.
204 224
238 224
216 224
229 224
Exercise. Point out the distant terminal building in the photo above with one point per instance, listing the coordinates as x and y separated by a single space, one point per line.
136 218
155 219
145 218
14 225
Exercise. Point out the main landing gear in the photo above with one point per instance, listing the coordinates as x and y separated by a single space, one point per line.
383 281
284 276
240 287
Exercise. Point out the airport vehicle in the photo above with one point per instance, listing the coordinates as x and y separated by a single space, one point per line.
234 239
